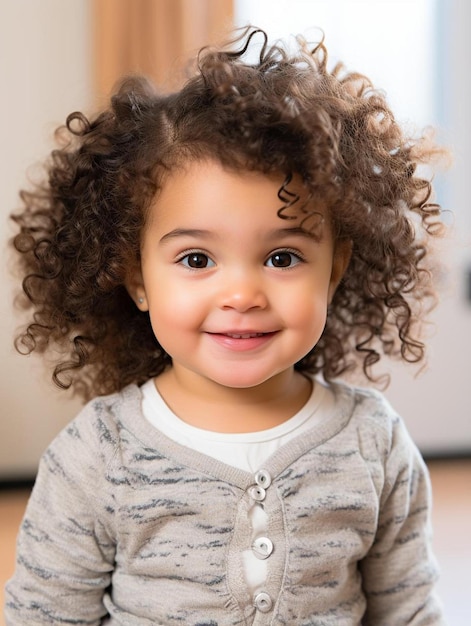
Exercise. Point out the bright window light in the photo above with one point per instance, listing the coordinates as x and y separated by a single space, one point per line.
393 42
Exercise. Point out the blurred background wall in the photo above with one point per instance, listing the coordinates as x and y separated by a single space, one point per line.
45 61
56 57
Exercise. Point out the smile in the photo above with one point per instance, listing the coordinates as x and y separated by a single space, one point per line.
244 336
242 341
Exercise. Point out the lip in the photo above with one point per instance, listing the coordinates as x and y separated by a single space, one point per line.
242 340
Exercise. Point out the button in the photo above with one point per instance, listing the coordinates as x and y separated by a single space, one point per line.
263 602
263 479
262 547
257 493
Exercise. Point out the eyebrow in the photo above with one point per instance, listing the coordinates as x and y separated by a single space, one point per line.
187 232
208 234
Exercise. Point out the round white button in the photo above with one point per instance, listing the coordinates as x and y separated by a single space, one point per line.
263 479
262 547
257 493
263 602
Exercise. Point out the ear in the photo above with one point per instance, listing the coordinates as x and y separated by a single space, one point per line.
341 259
134 284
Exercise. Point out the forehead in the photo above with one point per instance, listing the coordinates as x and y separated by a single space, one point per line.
205 188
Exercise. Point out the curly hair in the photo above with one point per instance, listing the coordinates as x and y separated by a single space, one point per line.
79 232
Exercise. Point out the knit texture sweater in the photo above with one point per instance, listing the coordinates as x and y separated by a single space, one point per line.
126 527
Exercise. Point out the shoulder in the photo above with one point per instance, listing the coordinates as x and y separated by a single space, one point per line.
364 400
105 415
364 404
373 420
97 432
377 435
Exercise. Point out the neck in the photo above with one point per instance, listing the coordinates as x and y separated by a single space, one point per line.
208 405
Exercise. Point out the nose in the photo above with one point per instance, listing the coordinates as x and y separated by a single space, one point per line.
243 291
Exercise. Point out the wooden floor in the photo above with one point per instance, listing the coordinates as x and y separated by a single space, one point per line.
451 481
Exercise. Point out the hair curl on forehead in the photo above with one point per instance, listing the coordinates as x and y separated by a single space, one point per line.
285 112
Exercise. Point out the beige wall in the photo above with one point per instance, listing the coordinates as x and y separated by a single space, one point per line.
44 75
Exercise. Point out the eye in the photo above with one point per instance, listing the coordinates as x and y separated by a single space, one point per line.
196 261
283 259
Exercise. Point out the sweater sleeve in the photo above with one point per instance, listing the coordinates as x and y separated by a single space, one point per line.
64 550
399 571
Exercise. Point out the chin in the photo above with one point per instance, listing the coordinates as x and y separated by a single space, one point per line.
243 380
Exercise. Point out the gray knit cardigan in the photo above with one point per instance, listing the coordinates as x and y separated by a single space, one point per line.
126 527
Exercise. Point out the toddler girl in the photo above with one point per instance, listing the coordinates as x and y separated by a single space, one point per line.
205 265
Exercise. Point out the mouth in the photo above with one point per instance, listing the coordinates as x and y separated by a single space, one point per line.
244 335
242 341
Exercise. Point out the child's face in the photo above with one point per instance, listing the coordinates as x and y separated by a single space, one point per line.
236 294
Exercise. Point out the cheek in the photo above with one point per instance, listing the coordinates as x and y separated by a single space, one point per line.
173 310
310 315
165 294
168 327
307 306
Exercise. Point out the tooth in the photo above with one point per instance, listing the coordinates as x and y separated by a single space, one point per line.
245 336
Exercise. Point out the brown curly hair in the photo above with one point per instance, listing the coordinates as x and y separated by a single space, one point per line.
79 232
